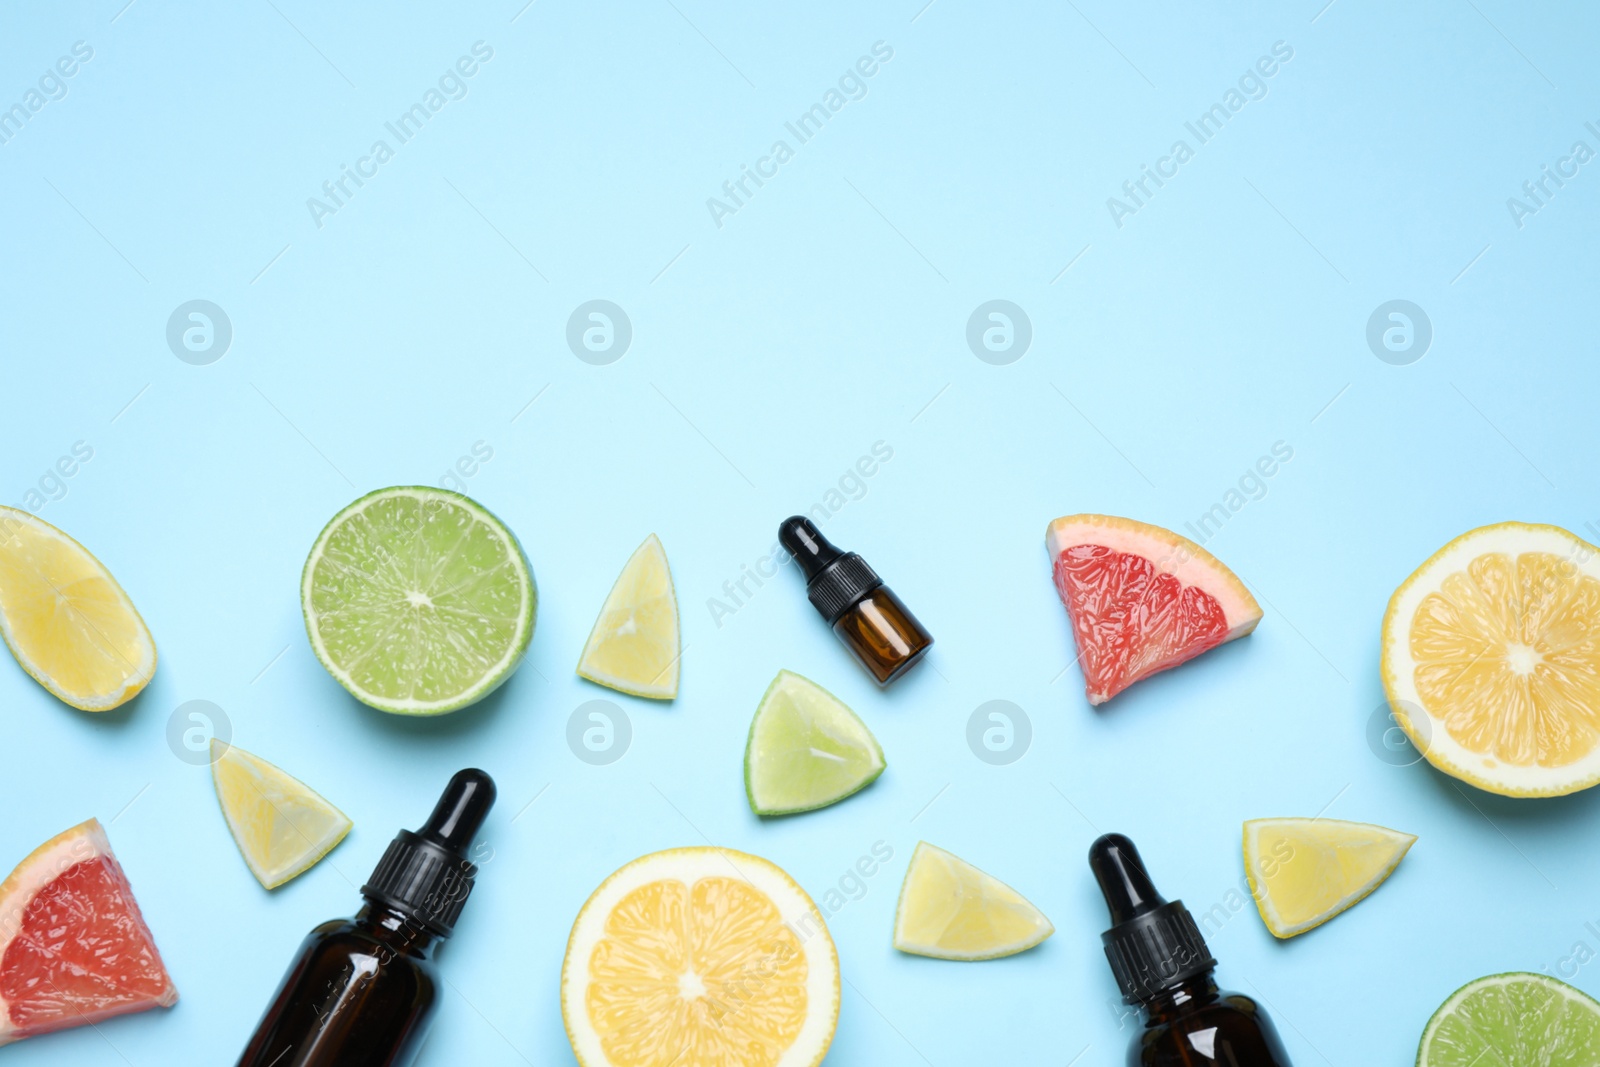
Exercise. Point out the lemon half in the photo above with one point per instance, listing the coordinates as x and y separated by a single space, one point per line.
700 957
1491 659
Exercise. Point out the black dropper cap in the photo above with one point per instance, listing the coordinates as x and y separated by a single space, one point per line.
1152 944
426 875
835 581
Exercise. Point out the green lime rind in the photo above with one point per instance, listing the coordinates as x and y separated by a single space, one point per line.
1514 1018
801 758
378 563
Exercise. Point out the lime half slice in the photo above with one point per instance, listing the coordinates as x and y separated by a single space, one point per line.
417 600
1513 1019
806 749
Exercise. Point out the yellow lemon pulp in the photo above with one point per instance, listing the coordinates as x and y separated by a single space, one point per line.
951 910
1506 656
1303 872
1491 659
700 958
67 620
634 645
669 974
282 826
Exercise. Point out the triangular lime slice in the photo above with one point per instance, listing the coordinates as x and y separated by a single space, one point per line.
950 910
806 749
419 601
281 825
1513 1019
634 646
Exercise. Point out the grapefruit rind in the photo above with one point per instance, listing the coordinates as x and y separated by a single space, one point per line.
140 671
84 842
688 865
1398 666
1169 553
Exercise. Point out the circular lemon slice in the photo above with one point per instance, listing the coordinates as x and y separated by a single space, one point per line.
700 957
1491 659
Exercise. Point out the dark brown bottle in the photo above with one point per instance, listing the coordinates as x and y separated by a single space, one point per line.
360 991
1162 964
874 624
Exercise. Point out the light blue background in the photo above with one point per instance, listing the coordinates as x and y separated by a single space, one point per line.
768 355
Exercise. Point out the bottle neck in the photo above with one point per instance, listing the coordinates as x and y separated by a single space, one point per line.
394 929
1181 999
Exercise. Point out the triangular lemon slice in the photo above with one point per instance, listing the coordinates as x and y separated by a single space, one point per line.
950 910
806 749
1303 872
634 647
67 620
281 826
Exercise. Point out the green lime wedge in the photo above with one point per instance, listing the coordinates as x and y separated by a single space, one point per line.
417 600
806 749
1507 1020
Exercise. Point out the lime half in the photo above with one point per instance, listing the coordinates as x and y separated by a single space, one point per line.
1511 1020
417 600
806 749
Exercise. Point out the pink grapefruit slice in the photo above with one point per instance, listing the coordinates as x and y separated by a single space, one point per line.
1141 599
74 949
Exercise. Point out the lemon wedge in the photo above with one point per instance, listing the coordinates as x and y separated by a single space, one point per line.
950 910
1491 659
1303 872
67 620
700 957
282 826
634 646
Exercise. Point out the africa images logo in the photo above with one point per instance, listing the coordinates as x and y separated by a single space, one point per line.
1252 85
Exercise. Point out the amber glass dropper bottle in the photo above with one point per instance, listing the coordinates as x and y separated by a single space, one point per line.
1162 964
874 624
360 991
